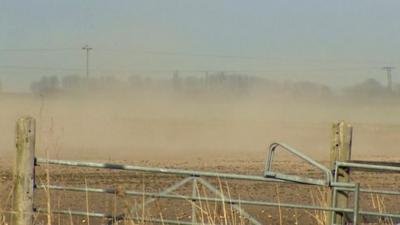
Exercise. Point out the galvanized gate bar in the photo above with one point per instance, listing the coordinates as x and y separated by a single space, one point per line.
356 204
366 166
222 198
179 172
364 190
379 214
184 197
105 215
382 163
112 191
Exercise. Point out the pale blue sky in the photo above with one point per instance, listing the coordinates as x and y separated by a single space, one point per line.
337 42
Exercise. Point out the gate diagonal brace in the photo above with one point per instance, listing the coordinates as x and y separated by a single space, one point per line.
174 187
168 190
239 209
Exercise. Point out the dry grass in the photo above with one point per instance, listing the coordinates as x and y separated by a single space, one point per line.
205 212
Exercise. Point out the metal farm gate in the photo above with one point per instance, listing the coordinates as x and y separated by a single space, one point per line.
336 178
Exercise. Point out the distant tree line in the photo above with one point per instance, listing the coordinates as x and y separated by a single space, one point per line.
219 82
72 83
371 88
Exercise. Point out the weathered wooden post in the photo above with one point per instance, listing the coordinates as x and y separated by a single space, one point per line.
24 172
342 134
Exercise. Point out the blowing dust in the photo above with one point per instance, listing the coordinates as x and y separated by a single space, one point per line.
161 124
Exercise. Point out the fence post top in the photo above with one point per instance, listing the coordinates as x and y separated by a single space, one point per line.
25 118
26 125
342 122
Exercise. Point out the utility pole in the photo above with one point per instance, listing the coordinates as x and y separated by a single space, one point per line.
176 80
206 80
388 70
87 48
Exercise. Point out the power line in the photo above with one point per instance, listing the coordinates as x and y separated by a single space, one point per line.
137 51
36 68
193 54
297 70
37 49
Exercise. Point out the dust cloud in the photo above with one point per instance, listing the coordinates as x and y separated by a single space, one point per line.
162 123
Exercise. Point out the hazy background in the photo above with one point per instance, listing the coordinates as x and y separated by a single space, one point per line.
199 79
226 116
335 42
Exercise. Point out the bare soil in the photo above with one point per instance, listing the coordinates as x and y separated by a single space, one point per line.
181 209
212 134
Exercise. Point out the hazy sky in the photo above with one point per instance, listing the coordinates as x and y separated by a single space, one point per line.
335 42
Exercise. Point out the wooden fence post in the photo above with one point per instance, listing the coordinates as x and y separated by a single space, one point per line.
24 174
341 141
